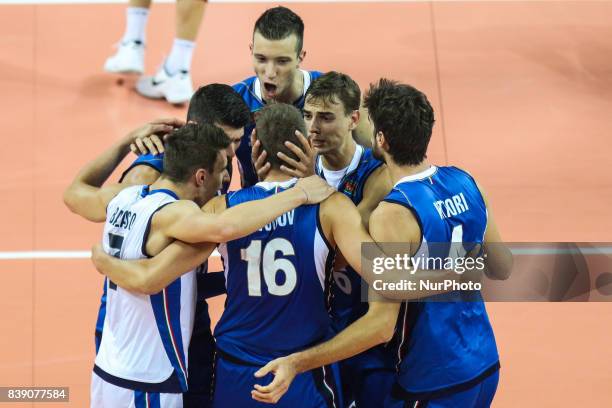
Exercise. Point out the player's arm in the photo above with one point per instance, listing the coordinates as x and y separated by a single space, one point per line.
498 260
150 276
349 233
375 190
144 170
375 327
85 195
184 221
399 283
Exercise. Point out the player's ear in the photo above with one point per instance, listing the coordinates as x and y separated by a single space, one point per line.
251 48
355 116
201 175
301 56
381 141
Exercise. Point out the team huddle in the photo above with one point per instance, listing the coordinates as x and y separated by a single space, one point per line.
323 169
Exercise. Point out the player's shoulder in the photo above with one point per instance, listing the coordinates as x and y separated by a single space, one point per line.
245 85
456 171
336 200
178 208
379 178
122 192
216 204
386 211
394 222
314 74
251 193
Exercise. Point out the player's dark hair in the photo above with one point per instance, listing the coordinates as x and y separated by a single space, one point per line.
218 104
405 117
278 23
333 87
192 147
276 123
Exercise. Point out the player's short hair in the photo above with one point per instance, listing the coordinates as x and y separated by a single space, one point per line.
278 23
333 87
192 147
218 104
405 116
276 123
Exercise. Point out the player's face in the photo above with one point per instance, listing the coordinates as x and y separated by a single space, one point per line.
276 65
214 180
328 126
235 136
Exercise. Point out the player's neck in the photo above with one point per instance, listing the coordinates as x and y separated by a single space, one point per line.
277 176
182 190
341 158
399 172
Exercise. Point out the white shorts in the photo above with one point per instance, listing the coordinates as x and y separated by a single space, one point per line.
106 395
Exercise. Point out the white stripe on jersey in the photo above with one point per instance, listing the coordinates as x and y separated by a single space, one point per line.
321 252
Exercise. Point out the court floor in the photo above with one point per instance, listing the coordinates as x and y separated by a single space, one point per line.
523 95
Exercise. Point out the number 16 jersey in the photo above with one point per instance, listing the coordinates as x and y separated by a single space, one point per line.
276 283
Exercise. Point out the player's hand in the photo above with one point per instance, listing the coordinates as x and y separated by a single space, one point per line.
258 157
98 257
148 138
305 165
284 372
315 188
474 274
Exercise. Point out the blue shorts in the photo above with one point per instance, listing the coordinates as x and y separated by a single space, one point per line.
479 396
234 381
367 388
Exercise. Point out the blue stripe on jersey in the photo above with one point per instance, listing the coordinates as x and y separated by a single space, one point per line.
245 89
257 325
167 310
101 317
146 400
442 344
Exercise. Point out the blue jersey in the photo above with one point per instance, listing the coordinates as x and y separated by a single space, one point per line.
443 346
276 282
250 91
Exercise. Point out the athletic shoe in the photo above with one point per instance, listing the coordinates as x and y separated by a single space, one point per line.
176 88
129 59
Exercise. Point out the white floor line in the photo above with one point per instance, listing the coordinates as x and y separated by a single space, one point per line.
31 255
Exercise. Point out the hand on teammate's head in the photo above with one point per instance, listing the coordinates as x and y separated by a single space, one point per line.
146 139
305 165
258 157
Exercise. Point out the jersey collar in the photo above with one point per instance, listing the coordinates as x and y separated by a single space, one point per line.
418 176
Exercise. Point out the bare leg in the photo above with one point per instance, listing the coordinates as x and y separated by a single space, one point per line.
140 3
188 18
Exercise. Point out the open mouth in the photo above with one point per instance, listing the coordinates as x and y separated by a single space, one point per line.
270 88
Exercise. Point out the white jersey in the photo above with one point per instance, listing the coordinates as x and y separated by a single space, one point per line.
145 338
